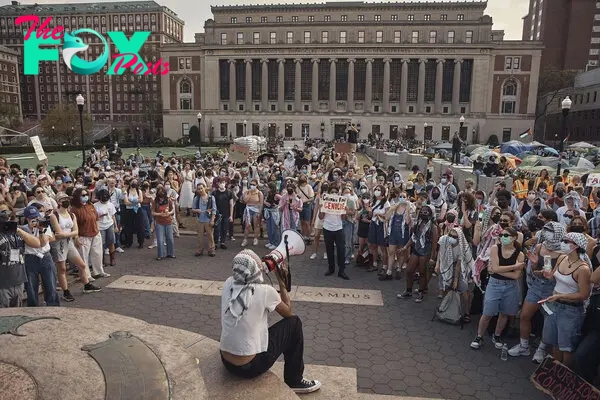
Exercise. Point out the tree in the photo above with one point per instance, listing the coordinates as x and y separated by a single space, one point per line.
493 141
194 135
9 116
63 118
551 81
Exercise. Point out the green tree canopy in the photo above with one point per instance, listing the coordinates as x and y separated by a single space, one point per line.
63 118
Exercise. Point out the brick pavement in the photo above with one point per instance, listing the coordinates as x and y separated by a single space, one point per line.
396 349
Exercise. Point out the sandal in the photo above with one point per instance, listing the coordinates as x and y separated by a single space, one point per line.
371 269
158 258
467 318
200 253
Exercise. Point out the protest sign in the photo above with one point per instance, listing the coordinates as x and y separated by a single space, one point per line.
238 152
593 180
343 148
334 204
37 146
559 382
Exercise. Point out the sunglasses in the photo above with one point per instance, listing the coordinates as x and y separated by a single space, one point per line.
39 191
506 235
401 197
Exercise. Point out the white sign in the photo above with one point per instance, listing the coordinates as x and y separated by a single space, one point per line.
593 180
37 146
334 204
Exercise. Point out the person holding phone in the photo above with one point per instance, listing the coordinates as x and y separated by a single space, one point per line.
163 209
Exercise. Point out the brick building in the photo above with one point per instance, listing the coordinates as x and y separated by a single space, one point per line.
569 29
120 100
10 92
295 69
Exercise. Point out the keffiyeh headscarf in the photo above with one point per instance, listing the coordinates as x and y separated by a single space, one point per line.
465 256
246 274
581 241
552 235
422 228
573 195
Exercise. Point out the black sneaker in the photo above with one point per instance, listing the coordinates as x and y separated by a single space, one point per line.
306 386
223 246
406 295
477 343
386 277
419 297
89 288
67 296
497 340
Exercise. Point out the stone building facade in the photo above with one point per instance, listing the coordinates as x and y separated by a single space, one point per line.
10 93
301 69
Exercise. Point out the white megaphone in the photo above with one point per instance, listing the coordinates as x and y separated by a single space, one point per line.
292 244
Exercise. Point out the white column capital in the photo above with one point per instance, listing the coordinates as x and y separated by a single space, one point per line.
422 60
351 60
369 60
387 60
248 61
333 60
458 61
264 60
231 61
440 61
281 60
405 60
315 60
298 60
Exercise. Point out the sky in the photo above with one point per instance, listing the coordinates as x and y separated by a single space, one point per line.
507 14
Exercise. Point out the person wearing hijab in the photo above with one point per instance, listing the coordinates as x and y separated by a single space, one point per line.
437 201
571 208
249 347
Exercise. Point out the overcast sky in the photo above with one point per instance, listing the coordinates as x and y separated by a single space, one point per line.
507 14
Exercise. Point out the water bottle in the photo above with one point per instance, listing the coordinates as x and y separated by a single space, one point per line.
504 354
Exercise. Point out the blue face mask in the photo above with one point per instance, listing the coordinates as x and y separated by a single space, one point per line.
84 199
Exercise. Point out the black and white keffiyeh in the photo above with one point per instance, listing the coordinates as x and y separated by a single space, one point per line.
246 274
552 235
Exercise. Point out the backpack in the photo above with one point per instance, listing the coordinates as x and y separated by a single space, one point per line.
450 309
364 258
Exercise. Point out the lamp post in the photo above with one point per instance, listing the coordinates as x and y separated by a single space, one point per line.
555 140
53 135
322 130
112 137
425 126
137 137
566 106
72 137
80 102
461 122
199 135
245 124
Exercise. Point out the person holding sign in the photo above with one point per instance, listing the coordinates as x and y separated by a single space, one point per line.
331 211
377 235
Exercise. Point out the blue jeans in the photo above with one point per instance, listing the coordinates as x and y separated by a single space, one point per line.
147 220
47 269
164 232
221 231
348 227
273 231
118 235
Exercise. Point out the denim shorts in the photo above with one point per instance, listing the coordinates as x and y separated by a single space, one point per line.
396 238
563 327
376 234
501 296
307 211
539 289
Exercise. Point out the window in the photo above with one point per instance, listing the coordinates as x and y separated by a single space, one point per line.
445 133
432 36
595 96
516 63
273 37
185 129
506 134
234 20
324 37
411 17
328 18
361 36
509 97
507 63
264 19
295 18
415 37
450 37
240 38
394 17
444 17
306 37
594 52
595 40
223 38
344 18
510 89
343 37
588 98
184 104
361 18
378 18
469 37
279 19
223 129
379 36
290 38
248 20
461 17
289 132
185 87
311 18
256 37
397 37
427 17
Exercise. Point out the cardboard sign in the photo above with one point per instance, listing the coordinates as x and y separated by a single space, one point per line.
37 146
559 382
593 180
238 152
334 204
342 148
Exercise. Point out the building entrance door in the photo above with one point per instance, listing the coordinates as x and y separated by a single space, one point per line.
339 131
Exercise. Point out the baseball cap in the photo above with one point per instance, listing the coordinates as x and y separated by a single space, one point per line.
31 212
67 179
61 196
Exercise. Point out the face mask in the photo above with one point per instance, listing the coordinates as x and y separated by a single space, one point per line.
244 181
479 202
531 197
505 240
504 225
252 187
402 200
335 176
577 229
377 193
290 191
444 180
495 219
222 173
452 241
537 208
222 186
304 171
84 199
319 174
364 190
424 217
542 190
566 248
366 201
167 187
560 193
450 218
59 182
435 195
397 181
65 204
244 169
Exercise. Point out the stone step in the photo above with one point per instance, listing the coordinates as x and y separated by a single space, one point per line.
370 396
338 383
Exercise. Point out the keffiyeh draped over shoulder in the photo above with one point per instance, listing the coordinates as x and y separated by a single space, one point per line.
246 274
465 257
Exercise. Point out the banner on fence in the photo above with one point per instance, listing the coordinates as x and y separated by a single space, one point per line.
37 146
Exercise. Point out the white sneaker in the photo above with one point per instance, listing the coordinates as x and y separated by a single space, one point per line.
90 279
255 242
539 355
244 242
153 245
119 250
268 245
325 256
519 350
313 256
106 252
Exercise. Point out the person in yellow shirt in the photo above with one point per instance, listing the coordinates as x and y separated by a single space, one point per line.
544 177
565 178
521 187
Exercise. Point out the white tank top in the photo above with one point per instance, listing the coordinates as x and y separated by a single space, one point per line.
65 223
565 284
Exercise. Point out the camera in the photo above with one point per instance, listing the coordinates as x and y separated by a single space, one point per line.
43 222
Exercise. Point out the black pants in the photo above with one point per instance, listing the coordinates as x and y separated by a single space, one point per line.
585 359
284 337
337 238
132 223
455 156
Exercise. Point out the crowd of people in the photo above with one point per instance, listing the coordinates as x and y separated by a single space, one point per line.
525 254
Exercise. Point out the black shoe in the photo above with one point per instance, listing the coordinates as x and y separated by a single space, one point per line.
477 343
344 276
406 295
306 387
397 275
67 296
223 246
329 273
386 277
171 257
89 288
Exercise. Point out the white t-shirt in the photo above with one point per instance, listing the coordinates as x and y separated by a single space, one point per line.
109 209
251 334
378 210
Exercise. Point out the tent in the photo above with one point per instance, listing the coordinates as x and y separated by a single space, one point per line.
443 146
581 145
514 147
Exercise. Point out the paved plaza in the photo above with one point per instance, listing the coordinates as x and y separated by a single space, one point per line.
395 347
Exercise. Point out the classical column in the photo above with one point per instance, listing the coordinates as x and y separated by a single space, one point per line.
232 86
386 84
298 85
281 84
264 88
315 84
369 85
439 80
248 85
350 102
404 84
421 87
456 87
332 83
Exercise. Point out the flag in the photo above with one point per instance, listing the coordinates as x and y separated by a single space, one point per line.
566 139
526 133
